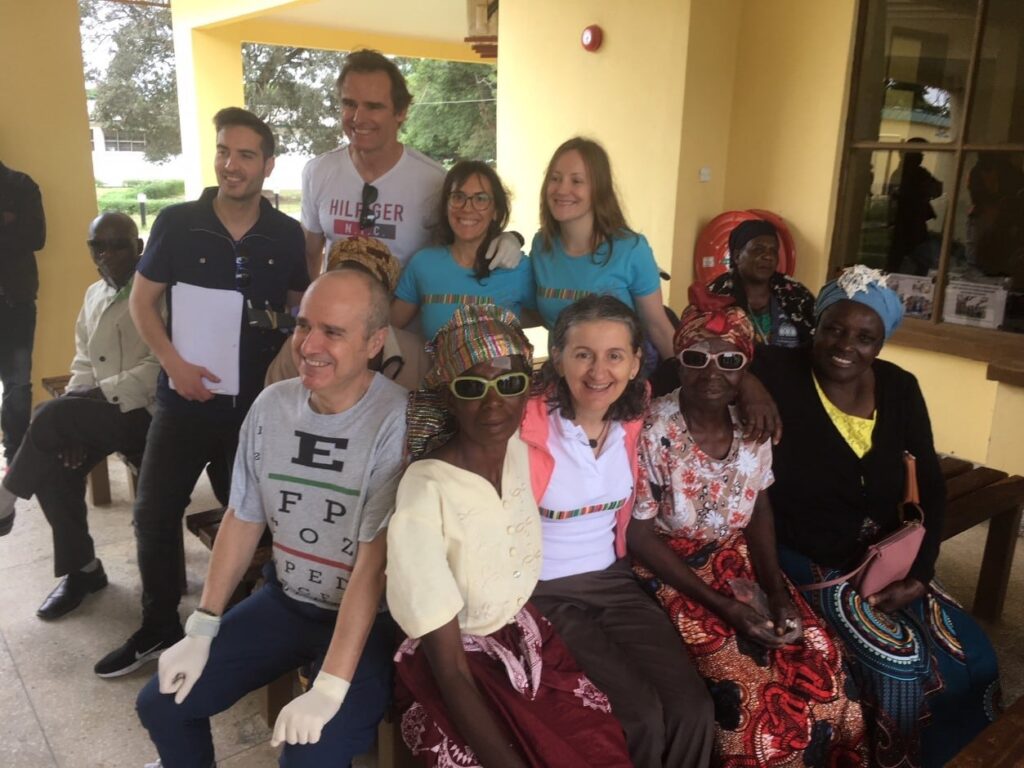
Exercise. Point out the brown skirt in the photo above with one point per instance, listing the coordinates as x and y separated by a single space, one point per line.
555 715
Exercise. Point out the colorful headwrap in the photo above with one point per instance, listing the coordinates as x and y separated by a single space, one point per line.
713 317
866 286
476 333
370 253
746 231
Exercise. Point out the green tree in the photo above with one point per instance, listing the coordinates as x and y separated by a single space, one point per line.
293 90
138 92
453 114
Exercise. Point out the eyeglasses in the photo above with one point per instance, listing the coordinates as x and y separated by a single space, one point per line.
243 277
726 361
476 387
113 244
367 216
480 201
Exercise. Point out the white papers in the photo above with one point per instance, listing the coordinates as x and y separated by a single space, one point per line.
206 325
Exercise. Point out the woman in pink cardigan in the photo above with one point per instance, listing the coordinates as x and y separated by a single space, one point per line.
582 434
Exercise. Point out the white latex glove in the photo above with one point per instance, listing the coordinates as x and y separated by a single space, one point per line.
302 721
505 251
181 665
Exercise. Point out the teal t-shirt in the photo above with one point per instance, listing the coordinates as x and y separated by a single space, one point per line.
561 279
438 285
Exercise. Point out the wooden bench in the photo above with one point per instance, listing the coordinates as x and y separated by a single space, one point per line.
1001 745
974 494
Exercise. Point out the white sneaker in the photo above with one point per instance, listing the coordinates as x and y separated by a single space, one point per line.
157 764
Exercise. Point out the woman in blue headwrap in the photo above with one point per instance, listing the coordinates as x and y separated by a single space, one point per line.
780 308
925 671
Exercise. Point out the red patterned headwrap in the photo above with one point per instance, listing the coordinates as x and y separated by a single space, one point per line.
710 316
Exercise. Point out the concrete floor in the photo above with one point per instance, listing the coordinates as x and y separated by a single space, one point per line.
55 712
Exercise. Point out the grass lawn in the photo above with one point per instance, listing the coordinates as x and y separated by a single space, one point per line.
290 203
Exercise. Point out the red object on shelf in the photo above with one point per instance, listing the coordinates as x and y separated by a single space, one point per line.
591 38
711 253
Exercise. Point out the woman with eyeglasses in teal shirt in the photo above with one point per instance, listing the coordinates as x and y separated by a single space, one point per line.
438 280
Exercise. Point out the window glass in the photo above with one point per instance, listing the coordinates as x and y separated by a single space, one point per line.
896 202
913 70
997 111
988 232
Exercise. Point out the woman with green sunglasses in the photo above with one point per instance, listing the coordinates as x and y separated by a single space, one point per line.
483 680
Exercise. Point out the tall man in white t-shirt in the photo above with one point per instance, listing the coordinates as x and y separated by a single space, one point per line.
375 185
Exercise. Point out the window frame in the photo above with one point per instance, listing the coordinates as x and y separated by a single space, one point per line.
1002 348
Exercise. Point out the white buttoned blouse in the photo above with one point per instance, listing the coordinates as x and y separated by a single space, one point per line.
456 549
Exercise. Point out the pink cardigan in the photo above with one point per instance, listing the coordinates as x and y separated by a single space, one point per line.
534 432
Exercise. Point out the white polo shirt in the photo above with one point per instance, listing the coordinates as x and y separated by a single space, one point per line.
579 507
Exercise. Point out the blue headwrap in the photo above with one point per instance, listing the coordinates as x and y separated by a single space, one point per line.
865 286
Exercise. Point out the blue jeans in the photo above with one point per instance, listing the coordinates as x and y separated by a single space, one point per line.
260 639
17 330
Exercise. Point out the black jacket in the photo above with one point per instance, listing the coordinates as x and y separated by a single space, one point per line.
822 491
21 237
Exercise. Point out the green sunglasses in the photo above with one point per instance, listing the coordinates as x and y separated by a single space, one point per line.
475 387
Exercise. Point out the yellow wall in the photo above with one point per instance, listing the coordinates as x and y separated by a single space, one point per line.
971 417
677 87
960 400
628 95
280 33
209 72
1006 446
707 114
44 132
789 104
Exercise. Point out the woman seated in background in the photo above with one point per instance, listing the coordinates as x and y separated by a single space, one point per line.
474 211
781 309
702 529
402 359
926 671
585 247
484 679
582 435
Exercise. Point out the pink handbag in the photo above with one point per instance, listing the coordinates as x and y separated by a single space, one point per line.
891 558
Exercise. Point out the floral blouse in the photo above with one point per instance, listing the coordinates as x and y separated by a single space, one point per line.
691 494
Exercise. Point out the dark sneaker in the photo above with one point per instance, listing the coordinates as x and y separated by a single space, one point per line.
6 524
70 592
139 649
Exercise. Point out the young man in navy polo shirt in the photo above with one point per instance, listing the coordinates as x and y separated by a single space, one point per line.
230 239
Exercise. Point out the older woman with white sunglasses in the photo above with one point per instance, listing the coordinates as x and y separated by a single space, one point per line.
703 535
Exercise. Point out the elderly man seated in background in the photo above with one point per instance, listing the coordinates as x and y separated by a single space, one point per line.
105 409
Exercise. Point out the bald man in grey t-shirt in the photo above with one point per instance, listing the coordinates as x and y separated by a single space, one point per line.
319 459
